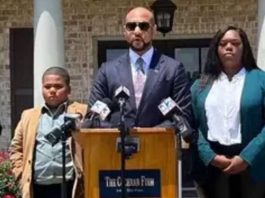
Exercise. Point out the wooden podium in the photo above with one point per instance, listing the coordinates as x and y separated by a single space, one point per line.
157 150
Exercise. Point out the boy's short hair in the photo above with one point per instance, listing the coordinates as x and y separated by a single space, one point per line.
60 71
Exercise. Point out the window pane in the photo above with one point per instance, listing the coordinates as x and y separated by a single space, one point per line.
190 58
204 52
114 53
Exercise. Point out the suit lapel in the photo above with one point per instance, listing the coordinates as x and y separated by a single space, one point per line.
124 72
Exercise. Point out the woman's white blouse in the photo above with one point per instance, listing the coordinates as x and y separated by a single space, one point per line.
223 109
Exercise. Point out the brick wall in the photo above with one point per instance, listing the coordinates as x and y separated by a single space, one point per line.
86 20
203 17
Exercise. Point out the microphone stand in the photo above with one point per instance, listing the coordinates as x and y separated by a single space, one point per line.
53 137
65 129
63 140
122 135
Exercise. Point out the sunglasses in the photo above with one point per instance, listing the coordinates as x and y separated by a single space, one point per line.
130 26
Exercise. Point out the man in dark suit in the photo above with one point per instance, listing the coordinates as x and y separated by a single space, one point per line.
161 76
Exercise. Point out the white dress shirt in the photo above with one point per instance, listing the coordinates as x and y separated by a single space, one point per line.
139 78
223 109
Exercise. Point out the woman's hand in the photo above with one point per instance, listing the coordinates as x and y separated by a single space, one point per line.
221 162
237 165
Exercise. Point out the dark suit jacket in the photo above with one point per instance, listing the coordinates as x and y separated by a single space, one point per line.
166 77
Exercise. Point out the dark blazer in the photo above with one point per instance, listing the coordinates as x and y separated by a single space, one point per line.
252 115
166 77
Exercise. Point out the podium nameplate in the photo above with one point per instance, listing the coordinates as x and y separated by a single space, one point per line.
138 183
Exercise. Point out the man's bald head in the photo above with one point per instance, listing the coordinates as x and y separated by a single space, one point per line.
141 12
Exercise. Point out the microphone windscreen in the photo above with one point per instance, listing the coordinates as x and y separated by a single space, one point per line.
167 106
122 92
97 107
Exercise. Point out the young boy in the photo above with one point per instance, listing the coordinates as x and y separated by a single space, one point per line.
37 164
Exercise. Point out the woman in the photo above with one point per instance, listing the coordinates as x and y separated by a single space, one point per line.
229 106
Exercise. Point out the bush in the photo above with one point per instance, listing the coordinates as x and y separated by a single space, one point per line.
8 185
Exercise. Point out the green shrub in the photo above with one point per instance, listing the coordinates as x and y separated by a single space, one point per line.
8 185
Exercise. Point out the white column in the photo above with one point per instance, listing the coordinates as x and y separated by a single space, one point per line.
48 41
261 35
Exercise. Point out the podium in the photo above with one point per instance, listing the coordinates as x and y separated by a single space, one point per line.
157 157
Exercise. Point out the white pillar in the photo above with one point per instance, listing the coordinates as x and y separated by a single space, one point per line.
261 35
48 41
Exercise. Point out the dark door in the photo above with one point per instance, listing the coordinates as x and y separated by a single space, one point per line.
21 72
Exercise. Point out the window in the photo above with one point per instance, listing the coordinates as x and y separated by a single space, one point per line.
191 52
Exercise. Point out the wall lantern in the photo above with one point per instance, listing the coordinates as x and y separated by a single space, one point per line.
164 15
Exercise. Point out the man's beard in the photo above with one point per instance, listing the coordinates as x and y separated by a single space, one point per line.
144 47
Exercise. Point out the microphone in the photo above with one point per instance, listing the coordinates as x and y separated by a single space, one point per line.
71 122
101 109
122 93
168 107
98 112
1 129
